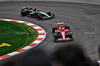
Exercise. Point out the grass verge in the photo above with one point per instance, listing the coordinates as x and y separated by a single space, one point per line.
18 35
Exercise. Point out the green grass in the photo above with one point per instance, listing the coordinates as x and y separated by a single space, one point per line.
17 35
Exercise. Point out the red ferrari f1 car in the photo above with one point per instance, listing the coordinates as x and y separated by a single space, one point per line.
62 32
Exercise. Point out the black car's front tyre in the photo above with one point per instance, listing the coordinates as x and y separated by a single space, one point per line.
23 13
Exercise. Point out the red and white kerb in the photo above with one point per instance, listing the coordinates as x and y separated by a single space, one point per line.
41 37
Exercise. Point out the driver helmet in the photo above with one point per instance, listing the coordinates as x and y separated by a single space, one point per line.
34 9
61 27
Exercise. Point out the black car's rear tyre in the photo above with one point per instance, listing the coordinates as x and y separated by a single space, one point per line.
49 13
39 16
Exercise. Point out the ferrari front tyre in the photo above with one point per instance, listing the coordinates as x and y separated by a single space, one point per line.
69 34
55 35
59 35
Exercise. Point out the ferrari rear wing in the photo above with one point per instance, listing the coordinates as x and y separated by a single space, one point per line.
61 23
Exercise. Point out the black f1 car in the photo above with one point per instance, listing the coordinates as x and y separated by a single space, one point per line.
32 12
62 32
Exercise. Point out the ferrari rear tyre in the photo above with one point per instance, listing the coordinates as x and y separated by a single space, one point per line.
67 27
53 29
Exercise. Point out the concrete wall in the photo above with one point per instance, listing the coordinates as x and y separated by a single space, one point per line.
89 1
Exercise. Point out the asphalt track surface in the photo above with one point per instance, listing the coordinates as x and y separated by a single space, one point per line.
84 20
